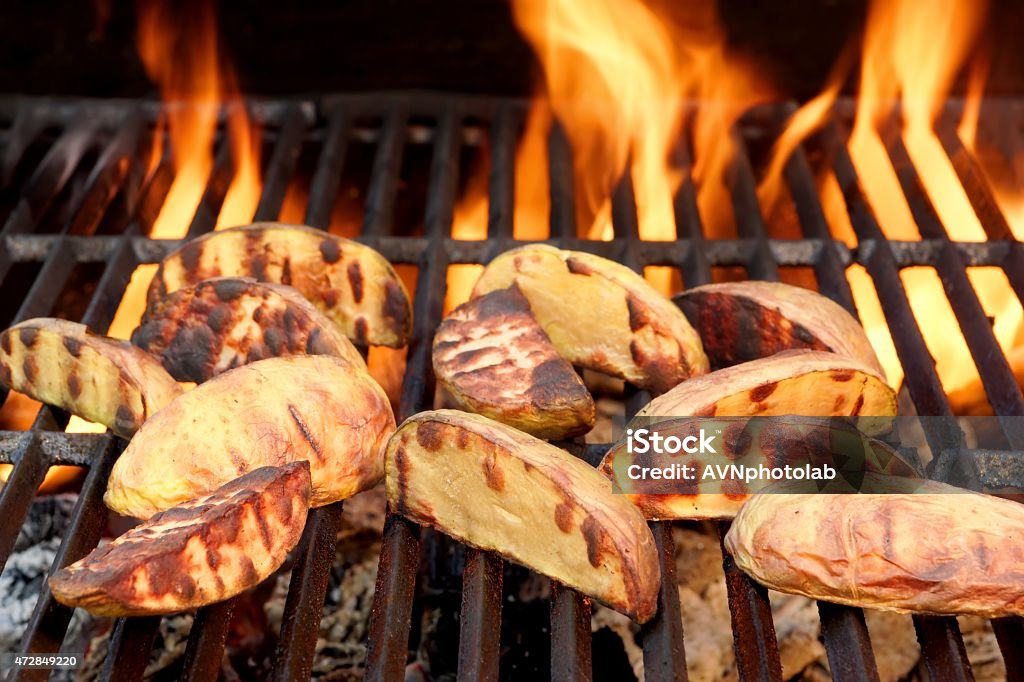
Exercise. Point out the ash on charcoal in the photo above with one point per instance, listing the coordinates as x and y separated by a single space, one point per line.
34 550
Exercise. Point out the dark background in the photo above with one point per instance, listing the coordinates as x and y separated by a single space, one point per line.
75 47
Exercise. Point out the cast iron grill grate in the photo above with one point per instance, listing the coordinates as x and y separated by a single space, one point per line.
79 197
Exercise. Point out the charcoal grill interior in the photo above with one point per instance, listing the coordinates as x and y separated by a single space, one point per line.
76 207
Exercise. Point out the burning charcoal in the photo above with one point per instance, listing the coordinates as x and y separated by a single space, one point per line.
26 570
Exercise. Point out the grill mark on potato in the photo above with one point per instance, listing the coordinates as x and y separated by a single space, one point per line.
307 435
261 525
841 374
355 280
190 254
573 265
30 368
5 342
5 374
219 317
858 405
330 297
563 515
125 420
28 336
760 393
330 251
737 440
402 464
396 304
429 435
286 271
74 385
734 489
837 404
594 535
637 313
229 289
274 338
361 331
493 473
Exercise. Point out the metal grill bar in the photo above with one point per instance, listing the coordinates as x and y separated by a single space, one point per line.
114 183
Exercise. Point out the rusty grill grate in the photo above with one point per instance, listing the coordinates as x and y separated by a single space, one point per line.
80 198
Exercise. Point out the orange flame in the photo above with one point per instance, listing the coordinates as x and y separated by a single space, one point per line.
182 57
618 75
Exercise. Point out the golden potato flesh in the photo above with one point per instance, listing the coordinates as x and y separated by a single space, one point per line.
203 551
742 321
911 546
218 324
494 359
499 489
98 378
601 315
351 283
268 413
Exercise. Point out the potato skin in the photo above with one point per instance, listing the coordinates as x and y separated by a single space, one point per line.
797 382
795 441
939 550
204 551
494 359
351 283
601 315
205 329
742 321
499 489
96 377
268 413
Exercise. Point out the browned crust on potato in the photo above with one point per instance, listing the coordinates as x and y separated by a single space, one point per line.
797 382
922 547
351 283
774 443
742 321
205 329
601 315
531 502
494 359
204 551
317 408
96 377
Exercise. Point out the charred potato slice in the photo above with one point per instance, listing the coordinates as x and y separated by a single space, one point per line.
204 551
798 382
601 315
911 546
202 330
494 359
741 321
499 489
351 283
98 378
268 413
793 441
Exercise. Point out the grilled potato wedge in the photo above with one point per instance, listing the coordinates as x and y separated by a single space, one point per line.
203 551
776 443
741 321
95 377
797 382
351 283
921 547
494 359
601 315
496 488
268 413
222 323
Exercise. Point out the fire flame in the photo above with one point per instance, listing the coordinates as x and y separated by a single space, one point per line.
911 53
617 76
178 45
